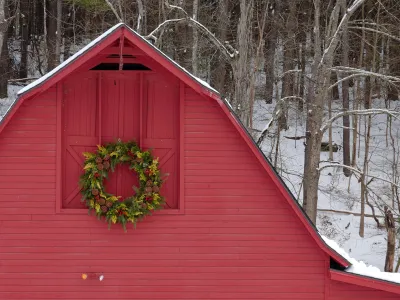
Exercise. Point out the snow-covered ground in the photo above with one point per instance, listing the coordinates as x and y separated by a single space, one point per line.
336 191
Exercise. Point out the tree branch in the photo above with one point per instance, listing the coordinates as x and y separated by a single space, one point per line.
393 37
362 73
230 53
114 10
364 112
335 39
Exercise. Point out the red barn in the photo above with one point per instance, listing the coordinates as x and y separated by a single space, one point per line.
230 229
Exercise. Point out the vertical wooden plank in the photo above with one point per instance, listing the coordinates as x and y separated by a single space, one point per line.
99 103
59 103
181 147
121 104
327 279
141 133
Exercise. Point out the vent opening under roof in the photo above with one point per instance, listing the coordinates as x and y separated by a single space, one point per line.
123 55
125 67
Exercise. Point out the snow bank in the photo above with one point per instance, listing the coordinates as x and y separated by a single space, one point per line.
359 267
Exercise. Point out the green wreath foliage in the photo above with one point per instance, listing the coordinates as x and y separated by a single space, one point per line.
146 198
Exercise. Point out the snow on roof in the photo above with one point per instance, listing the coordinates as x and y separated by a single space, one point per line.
94 43
359 267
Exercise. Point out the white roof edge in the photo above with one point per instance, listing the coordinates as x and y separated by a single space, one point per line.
94 43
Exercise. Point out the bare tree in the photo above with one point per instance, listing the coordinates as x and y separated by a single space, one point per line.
318 92
52 35
4 58
58 32
345 96
195 47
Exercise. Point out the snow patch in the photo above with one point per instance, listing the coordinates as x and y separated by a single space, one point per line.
359 267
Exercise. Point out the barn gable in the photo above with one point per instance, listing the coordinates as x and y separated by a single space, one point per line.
206 117
108 48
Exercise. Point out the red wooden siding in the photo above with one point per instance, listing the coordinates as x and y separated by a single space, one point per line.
27 160
344 291
238 238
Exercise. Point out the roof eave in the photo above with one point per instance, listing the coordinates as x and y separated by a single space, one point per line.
365 281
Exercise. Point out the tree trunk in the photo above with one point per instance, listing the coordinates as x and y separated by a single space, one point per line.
313 147
195 40
58 33
345 98
4 57
219 69
289 57
51 35
391 240
23 69
241 65
141 22
271 37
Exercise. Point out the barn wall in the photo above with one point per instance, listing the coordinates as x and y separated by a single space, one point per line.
28 159
344 291
238 238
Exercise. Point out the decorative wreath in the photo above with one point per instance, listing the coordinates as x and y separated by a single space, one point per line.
147 196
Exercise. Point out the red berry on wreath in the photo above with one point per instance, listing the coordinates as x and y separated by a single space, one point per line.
97 197
99 160
106 165
147 171
104 209
107 157
149 198
95 192
96 175
100 167
109 204
156 189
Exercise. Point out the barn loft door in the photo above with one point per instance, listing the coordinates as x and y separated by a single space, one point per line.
102 108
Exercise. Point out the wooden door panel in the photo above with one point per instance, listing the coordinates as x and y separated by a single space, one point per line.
161 130
80 122
73 163
109 109
120 120
128 179
130 108
167 163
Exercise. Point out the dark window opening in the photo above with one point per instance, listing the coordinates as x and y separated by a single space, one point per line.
123 55
115 67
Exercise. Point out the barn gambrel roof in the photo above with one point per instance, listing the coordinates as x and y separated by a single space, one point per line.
122 30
